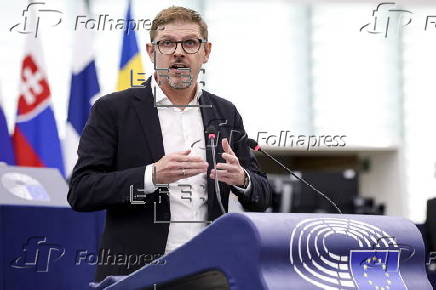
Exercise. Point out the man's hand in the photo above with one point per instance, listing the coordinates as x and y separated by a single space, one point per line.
230 172
178 165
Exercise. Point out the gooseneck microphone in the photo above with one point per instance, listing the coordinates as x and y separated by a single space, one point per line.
211 136
254 146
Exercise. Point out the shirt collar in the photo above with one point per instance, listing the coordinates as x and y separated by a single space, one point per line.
161 98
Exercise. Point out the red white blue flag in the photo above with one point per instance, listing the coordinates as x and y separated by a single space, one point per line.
36 140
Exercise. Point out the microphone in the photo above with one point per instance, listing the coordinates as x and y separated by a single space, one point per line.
212 136
256 147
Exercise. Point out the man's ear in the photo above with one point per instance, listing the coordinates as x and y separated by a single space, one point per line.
150 51
207 50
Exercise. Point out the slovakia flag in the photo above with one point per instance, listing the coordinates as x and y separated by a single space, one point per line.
36 139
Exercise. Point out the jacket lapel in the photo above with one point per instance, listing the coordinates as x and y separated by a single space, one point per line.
149 119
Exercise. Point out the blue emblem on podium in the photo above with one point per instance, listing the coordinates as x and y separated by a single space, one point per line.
335 253
377 268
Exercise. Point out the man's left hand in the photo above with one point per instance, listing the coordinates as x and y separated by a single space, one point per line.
230 172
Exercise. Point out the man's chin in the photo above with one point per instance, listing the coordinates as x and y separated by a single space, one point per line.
179 84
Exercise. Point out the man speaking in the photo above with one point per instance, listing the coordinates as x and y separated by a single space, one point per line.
161 144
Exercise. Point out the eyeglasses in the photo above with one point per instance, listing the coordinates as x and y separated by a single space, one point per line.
190 46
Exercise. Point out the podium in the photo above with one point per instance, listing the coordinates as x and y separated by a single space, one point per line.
290 251
32 186
41 237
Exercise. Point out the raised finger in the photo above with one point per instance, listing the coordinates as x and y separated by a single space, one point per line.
220 173
221 176
226 146
227 166
232 159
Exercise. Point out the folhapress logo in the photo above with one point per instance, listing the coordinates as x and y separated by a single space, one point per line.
31 25
38 254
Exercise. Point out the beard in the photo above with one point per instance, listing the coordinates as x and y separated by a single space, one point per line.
180 79
178 82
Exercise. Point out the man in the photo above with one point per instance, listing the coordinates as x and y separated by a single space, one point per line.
146 138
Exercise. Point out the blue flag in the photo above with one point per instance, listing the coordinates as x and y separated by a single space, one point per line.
84 90
6 151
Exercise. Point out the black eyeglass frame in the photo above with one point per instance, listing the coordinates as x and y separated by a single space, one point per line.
181 43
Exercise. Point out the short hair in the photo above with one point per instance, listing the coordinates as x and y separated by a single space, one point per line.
177 13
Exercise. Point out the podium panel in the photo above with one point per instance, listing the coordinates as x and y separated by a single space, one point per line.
32 186
42 240
292 251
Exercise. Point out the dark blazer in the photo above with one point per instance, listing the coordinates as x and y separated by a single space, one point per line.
121 137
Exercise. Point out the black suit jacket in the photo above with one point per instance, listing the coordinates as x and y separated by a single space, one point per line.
121 137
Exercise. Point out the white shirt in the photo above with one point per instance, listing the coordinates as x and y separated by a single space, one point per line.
188 196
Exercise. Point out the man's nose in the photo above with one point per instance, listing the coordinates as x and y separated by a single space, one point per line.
179 50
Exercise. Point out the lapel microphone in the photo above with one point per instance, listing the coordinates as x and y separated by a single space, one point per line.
212 135
256 147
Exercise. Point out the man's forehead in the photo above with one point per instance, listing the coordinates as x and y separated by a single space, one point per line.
179 29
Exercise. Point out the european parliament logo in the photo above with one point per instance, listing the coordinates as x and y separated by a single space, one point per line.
371 261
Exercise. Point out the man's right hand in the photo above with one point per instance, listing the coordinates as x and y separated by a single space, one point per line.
178 165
